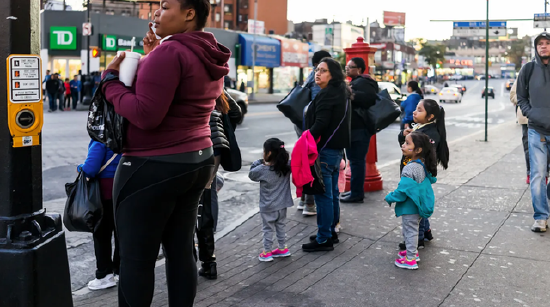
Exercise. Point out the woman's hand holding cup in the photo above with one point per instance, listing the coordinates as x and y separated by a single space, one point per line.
115 63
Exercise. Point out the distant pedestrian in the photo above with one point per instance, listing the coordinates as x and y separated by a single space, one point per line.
67 100
429 118
414 197
242 88
47 77
273 173
61 96
307 202
409 105
102 163
75 90
328 119
533 90
364 94
52 89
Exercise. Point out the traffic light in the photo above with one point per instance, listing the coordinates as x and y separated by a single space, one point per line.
96 53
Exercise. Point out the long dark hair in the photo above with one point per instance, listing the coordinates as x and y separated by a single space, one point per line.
337 74
416 88
442 150
421 140
278 157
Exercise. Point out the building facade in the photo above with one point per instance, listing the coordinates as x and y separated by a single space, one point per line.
336 36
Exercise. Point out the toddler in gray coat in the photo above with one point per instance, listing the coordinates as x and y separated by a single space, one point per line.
273 174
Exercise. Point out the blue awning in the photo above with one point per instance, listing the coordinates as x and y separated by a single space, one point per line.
268 51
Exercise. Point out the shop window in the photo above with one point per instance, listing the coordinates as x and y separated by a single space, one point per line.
378 56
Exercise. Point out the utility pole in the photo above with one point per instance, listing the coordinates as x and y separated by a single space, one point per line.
254 49
486 70
545 4
333 35
33 255
88 39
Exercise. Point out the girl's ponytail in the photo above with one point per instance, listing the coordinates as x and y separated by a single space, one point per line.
279 156
442 147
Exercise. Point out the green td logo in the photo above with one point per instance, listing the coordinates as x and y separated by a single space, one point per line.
109 42
63 38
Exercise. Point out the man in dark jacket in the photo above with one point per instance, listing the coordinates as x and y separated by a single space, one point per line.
364 91
533 90
52 89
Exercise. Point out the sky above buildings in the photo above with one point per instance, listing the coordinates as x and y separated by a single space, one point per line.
419 13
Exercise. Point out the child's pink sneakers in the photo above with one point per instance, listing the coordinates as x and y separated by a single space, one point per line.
405 263
403 254
280 253
265 257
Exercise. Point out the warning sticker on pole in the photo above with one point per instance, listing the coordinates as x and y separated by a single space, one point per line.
24 79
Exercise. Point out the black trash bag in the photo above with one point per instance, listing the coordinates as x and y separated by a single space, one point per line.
293 105
104 124
382 114
83 209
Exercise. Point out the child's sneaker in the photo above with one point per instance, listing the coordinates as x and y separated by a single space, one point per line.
403 254
428 235
405 263
277 253
266 257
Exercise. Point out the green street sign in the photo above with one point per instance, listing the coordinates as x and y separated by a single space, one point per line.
109 42
328 30
63 38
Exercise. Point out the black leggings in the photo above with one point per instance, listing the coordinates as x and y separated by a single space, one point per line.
156 200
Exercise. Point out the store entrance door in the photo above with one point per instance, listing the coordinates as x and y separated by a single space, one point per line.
65 67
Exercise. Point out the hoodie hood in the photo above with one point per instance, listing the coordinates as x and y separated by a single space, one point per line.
213 55
543 35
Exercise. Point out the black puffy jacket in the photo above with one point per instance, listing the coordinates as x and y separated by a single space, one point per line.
218 134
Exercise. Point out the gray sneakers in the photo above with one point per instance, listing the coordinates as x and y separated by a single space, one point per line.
539 226
310 210
300 205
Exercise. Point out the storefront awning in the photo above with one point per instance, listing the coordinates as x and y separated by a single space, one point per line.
268 51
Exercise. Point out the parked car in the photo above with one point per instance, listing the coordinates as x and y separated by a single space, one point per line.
431 90
450 94
456 77
490 92
461 88
241 99
393 90
509 84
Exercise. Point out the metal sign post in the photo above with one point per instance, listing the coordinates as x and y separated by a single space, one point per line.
487 72
541 21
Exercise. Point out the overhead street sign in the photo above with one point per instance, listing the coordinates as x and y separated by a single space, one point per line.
478 29
541 21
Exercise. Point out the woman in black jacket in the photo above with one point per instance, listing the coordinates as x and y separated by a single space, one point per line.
328 119
223 122
365 91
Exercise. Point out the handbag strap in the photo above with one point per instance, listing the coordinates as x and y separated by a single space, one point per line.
107 164
333 133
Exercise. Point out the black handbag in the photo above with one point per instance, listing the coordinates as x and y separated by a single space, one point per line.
104 124
382 114
292 106
83 208
317 186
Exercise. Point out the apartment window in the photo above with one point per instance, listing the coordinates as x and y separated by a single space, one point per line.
218 17
228 9
228 25
243 18
149 16
244 4
378 56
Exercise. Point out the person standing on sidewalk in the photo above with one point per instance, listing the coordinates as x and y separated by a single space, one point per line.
307 202
273 174
533 92
52 88
409 105
414 196
102 163
328 119
75 90
364 93
167 155
67 100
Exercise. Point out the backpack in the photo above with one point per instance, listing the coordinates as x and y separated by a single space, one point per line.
529 68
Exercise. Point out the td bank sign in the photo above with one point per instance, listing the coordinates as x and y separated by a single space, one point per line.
63 38
115 43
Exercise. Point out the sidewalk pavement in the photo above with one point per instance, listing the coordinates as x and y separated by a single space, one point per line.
483 254
266 98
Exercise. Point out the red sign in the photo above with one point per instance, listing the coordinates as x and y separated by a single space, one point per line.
460 62
294 53
394 18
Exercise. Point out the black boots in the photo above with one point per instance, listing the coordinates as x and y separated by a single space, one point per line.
209 270
205 236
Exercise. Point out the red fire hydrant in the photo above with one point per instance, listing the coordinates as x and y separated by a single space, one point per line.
373 179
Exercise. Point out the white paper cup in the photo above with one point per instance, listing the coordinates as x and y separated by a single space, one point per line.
128 67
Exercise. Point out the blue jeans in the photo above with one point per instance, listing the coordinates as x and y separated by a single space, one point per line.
422 228
53 100
360 140
328 204
539 146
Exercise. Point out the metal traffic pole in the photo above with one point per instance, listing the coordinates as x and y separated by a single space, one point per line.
486 70
254 49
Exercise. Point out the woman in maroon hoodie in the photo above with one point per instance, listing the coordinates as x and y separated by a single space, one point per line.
168 155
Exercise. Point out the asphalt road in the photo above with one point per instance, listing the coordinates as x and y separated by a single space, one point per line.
65 142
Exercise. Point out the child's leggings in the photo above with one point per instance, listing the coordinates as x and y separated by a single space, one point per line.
410 233
274 222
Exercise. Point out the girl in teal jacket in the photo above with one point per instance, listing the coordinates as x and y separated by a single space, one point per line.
414 197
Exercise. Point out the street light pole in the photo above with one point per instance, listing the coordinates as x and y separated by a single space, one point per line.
88 39
545 4
486 70
254 49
